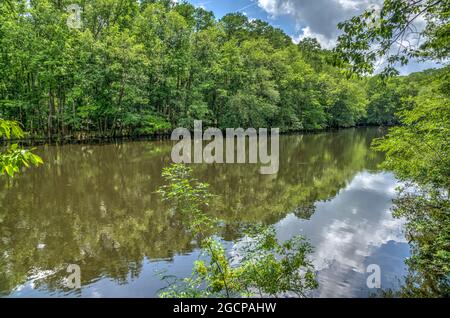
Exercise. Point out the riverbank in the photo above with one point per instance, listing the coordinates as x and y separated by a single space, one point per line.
95 139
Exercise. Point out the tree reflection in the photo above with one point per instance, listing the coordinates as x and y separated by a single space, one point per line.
96 206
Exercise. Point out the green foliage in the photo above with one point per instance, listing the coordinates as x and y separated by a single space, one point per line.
263 266
270 268
155 124
390 33
384 102
427 216
14 158
418 151
187 196
143 67
10 129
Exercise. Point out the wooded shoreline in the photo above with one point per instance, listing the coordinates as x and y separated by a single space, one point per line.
38 141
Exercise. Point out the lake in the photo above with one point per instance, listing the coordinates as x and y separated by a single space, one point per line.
96 206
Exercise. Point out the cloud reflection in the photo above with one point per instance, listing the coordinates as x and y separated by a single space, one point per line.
351 231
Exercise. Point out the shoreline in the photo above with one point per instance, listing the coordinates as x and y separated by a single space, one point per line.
99 140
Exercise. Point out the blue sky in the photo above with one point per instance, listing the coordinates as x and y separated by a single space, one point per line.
250 8
301 18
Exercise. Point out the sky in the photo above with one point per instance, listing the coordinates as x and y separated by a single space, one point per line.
302 18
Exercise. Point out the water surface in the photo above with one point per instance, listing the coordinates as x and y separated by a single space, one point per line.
96 206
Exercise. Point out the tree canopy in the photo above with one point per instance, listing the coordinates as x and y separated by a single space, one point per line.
14 158
144 67
391 36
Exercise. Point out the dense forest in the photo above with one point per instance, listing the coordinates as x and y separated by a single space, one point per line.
130 68
145 67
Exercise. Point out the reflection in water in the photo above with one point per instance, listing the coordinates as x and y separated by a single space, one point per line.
352 231
96 206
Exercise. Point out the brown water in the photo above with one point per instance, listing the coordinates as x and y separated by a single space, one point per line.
95 206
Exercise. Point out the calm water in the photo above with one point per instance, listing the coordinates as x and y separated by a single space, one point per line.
95 206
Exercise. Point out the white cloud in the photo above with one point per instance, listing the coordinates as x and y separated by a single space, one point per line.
318 18
350 230
325 42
